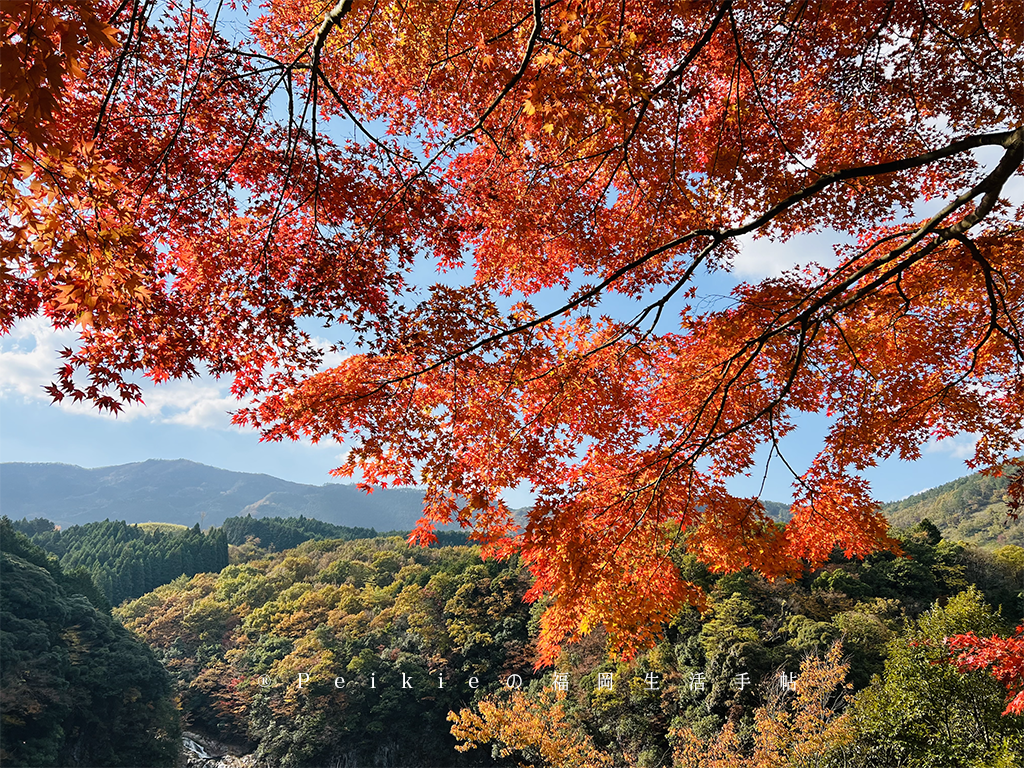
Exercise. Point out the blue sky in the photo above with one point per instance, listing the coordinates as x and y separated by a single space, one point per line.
190 419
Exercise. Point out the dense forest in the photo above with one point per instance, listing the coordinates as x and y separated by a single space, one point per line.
280 533
77 688
321 645
126 561
374 612
334 653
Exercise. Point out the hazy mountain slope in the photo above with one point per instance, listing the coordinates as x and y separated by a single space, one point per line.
181 491
969 509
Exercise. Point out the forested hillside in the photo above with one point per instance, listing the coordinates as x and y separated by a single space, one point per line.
358 618
126 561
279 533
321 644
335 653
285 533
972 508
76 689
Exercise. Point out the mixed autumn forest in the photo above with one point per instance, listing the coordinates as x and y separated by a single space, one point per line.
493 246
239 634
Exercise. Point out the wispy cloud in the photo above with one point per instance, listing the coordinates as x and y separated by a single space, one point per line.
958 446
198 403
29 359
759 258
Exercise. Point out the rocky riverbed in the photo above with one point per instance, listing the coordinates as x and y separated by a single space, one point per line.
203 752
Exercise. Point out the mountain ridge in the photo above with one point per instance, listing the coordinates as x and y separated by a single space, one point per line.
187 492
970 508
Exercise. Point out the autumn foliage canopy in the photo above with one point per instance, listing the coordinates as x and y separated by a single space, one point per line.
501 211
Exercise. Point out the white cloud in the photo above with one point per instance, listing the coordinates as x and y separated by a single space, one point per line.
759 258
198 403
29 359
958 446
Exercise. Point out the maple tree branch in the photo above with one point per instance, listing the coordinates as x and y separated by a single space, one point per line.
388 151
997 303
1011 139
881 169
184 110
766 111
691 128
331 19
134 18
670 76
424 168
531 43
724 9
494 38
990 186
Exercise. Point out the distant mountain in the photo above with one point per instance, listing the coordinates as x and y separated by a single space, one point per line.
972 508
182 491
777 511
